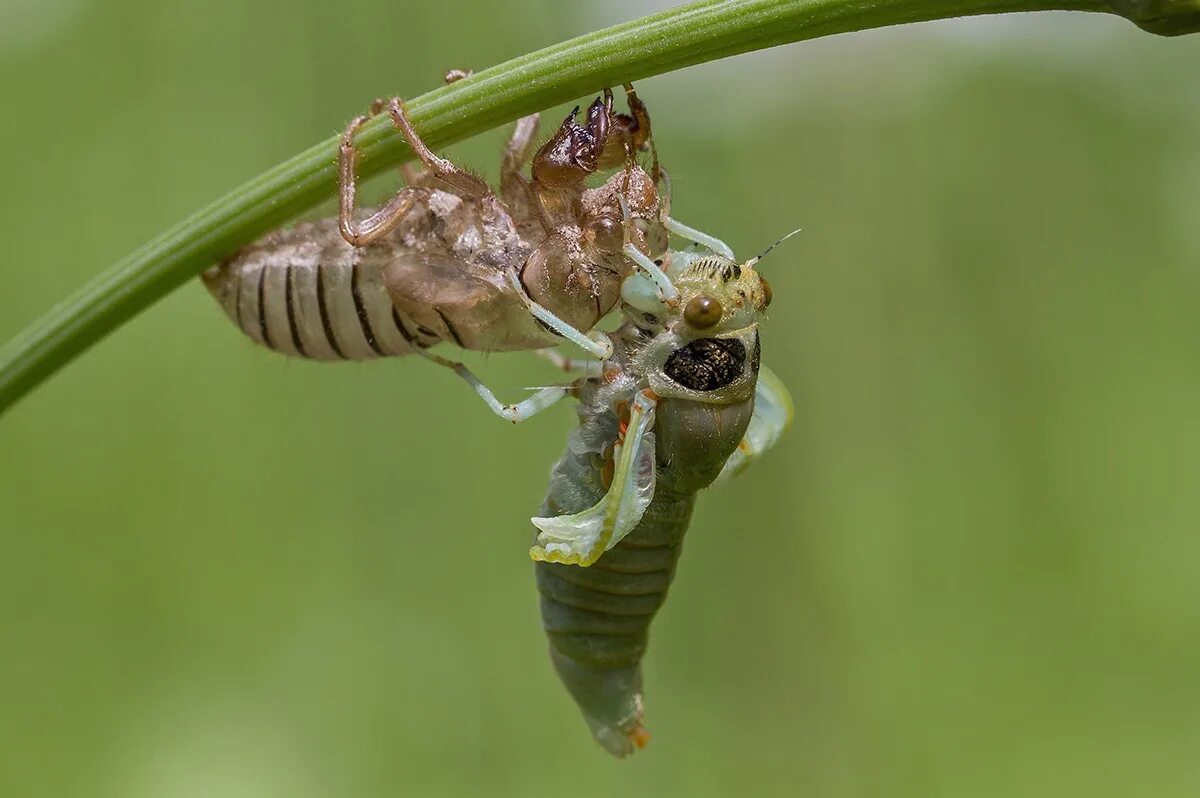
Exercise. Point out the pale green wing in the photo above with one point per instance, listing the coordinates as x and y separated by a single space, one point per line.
773 413
581 538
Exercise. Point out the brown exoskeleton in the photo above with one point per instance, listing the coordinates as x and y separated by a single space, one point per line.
449 259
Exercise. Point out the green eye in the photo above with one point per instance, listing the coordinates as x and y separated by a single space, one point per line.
703 311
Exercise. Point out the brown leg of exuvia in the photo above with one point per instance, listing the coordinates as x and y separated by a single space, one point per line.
380 222
464 181
572 152
643 134
631 131
513 186
564 162
516 153
641 116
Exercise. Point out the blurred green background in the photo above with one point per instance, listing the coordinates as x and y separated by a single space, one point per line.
972 567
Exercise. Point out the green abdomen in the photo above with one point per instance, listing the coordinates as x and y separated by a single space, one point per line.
597 619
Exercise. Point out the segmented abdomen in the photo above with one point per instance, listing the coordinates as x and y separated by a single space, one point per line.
597 619
313 297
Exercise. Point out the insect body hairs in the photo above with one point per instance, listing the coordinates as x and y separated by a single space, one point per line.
684 401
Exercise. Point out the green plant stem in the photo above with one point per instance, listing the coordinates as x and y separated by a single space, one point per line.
691 34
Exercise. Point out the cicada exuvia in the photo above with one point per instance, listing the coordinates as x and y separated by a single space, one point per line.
448 259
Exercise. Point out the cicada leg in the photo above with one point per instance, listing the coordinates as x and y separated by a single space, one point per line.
443 169
517 151
589 368
574 151
531 406
631 133
514 188
684 231
384 220
668 294
692 234
594 343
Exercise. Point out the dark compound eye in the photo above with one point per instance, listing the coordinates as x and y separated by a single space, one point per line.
766 291
707 364
702 312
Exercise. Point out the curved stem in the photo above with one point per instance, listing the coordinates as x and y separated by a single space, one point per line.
683 36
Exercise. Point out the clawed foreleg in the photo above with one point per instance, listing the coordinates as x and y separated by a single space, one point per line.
382 221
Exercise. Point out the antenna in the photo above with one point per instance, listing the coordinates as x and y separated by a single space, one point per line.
763 254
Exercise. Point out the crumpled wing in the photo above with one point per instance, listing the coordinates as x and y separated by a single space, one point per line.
581 538
773 413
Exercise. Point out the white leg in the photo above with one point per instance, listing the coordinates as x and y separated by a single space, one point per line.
692 234
668 293
684 231
594 343
590 368
543 398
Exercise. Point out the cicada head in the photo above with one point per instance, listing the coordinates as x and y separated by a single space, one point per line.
703 363
707 348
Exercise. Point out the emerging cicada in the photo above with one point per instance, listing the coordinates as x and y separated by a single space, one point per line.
684 401
449 260
677 399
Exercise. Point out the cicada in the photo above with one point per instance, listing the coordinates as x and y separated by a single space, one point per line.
675 399
448 259
684 401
